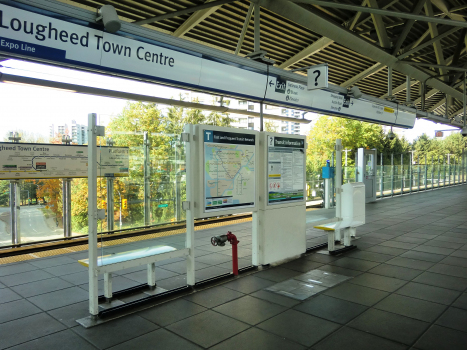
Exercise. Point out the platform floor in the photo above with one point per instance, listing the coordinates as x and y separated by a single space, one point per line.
408 291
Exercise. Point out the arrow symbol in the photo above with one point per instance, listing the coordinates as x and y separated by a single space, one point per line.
271 83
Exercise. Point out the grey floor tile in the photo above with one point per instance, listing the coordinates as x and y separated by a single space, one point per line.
387 284
116 331
39 325
386 250
456 261
64 340
460 254
210 272
142 276
277 274
171 312
242 262
409 239
213 297
398 244
118 283
17 309
213 259
321 258
257 339
356 294
443 244
412 254
332 309
180 267
173 282
296 289
59 298
461 302
69 314
49 262
391 326
410 263
248 284
434 250
25 277
340 270
67 269
302 265
14 269
441 338
370 256
355 264
250 310
450 270
429 293
443 281
7 295
296 326
393 271
414 308
165 341
275 298
41 287
353 339
79 278
454 318
220 328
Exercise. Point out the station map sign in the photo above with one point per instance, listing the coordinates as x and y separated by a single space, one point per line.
286 169
49 161
28 34
229 170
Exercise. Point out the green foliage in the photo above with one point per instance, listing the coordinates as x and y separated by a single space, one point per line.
453 144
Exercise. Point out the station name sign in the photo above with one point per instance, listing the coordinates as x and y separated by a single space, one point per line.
27 34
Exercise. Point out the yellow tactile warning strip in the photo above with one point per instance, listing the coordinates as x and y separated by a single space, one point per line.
79 248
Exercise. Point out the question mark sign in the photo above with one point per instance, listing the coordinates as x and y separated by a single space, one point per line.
317 76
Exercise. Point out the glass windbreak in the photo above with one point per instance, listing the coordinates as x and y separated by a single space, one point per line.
370 164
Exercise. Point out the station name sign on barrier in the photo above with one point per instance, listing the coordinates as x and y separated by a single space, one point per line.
49 161
29 34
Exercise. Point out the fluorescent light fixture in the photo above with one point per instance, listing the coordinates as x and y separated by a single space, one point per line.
37 86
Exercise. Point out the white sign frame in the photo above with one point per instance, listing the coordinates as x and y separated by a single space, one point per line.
197 157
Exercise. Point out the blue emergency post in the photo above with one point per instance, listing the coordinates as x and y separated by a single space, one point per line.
327 171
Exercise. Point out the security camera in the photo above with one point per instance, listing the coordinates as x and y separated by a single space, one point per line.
355 92
109 17
391 135
464 131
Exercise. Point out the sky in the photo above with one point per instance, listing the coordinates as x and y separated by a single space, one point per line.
34 109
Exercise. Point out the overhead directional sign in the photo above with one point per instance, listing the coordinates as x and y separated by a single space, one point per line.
32 35
49 161
318 77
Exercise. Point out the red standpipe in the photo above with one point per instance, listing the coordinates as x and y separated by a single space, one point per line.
234 242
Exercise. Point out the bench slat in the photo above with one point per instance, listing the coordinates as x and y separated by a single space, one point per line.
129 255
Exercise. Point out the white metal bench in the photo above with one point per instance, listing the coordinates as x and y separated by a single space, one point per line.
347 227
144 256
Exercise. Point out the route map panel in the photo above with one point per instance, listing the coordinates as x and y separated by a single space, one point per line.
49 161
286 163
229 170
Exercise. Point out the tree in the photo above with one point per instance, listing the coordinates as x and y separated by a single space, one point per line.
354 134
270 126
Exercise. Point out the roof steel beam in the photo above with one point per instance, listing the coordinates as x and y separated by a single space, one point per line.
195 19
379 26
168 15
350 40
439 66
244 29
408 26
383 12
434 34
316 47
365 74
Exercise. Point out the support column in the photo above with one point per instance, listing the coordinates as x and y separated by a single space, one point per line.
382 169
402 173
418 161
14 212
92 214
190 201
147 175
261 121
66 191
411 172
257 28
432 173
439 172
338 184
392 174
178 197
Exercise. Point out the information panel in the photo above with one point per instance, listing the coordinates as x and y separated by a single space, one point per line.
48 161
229 170
286 162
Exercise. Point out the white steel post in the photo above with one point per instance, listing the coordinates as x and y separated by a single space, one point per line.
66 189
147 190
190 219
338 184
402 173
14 212
381 180
392 174
92 214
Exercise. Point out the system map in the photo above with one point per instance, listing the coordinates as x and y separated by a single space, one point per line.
229 161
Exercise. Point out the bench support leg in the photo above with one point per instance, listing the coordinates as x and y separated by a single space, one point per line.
331 242
108 286
152 275
347 233
337 235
